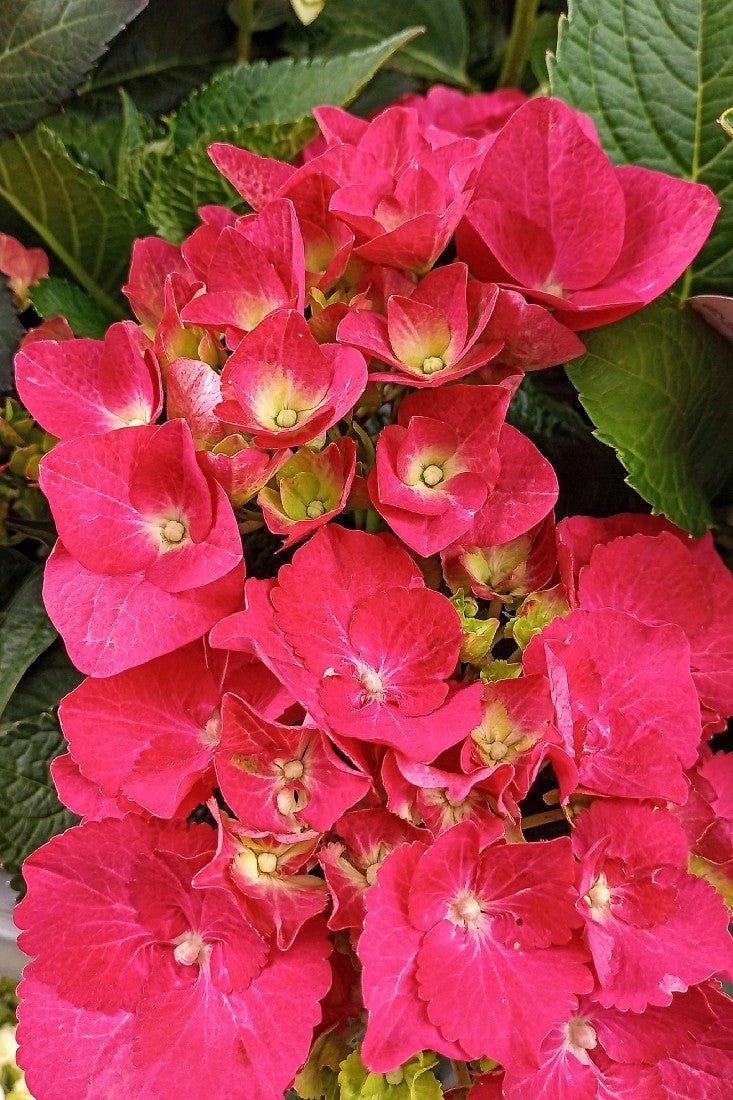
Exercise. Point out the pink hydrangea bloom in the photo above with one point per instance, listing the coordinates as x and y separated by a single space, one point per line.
122 943
312 488
74 387
24 267
639 904
436 465
625 704
153 260
327 629
552 216
149 555
162 723
476 948
284 388
429 337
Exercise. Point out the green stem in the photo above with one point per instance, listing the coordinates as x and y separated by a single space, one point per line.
245 13
516 48
373 522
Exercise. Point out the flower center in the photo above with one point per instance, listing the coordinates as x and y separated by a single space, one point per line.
372 682
190 949
293 769
580 1037
173 531
286 418
267 863
432 475
211 733
289 801
315 509
599 897
433 364
371 873
465 910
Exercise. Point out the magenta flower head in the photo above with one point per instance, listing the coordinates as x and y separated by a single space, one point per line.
551 215
149 553
330 630
430 337
286 389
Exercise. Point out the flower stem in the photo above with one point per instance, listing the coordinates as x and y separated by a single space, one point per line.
244 11
516 48
545 818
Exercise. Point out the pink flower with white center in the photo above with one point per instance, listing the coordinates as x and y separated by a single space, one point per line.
639 904
328 630
625 704
189 990
282 779
551 215
74 387
350 864
268 875
470 949
286 389
430 337
634 564
603 1054
257 267
435 467
149 556
162 723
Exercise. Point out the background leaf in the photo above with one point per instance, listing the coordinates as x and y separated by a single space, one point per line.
282 91
659 387
655 76
55 297
11 331
439 54
167 52
46 198
263 108
25 628
47 46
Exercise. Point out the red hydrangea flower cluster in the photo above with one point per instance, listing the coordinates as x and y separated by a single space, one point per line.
366 754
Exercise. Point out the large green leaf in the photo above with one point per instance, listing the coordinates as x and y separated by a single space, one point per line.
439 54
655 76
167 52
86 224
11 331
284 91
47 46
25 632
30 738
55 297
659 387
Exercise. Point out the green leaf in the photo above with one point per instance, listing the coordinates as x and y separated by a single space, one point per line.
659 388
30 812
11 331
413 1081
47 46
55 297
260 107
167 52
86 224
655 76
284 91
105 144
25 632
440 53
